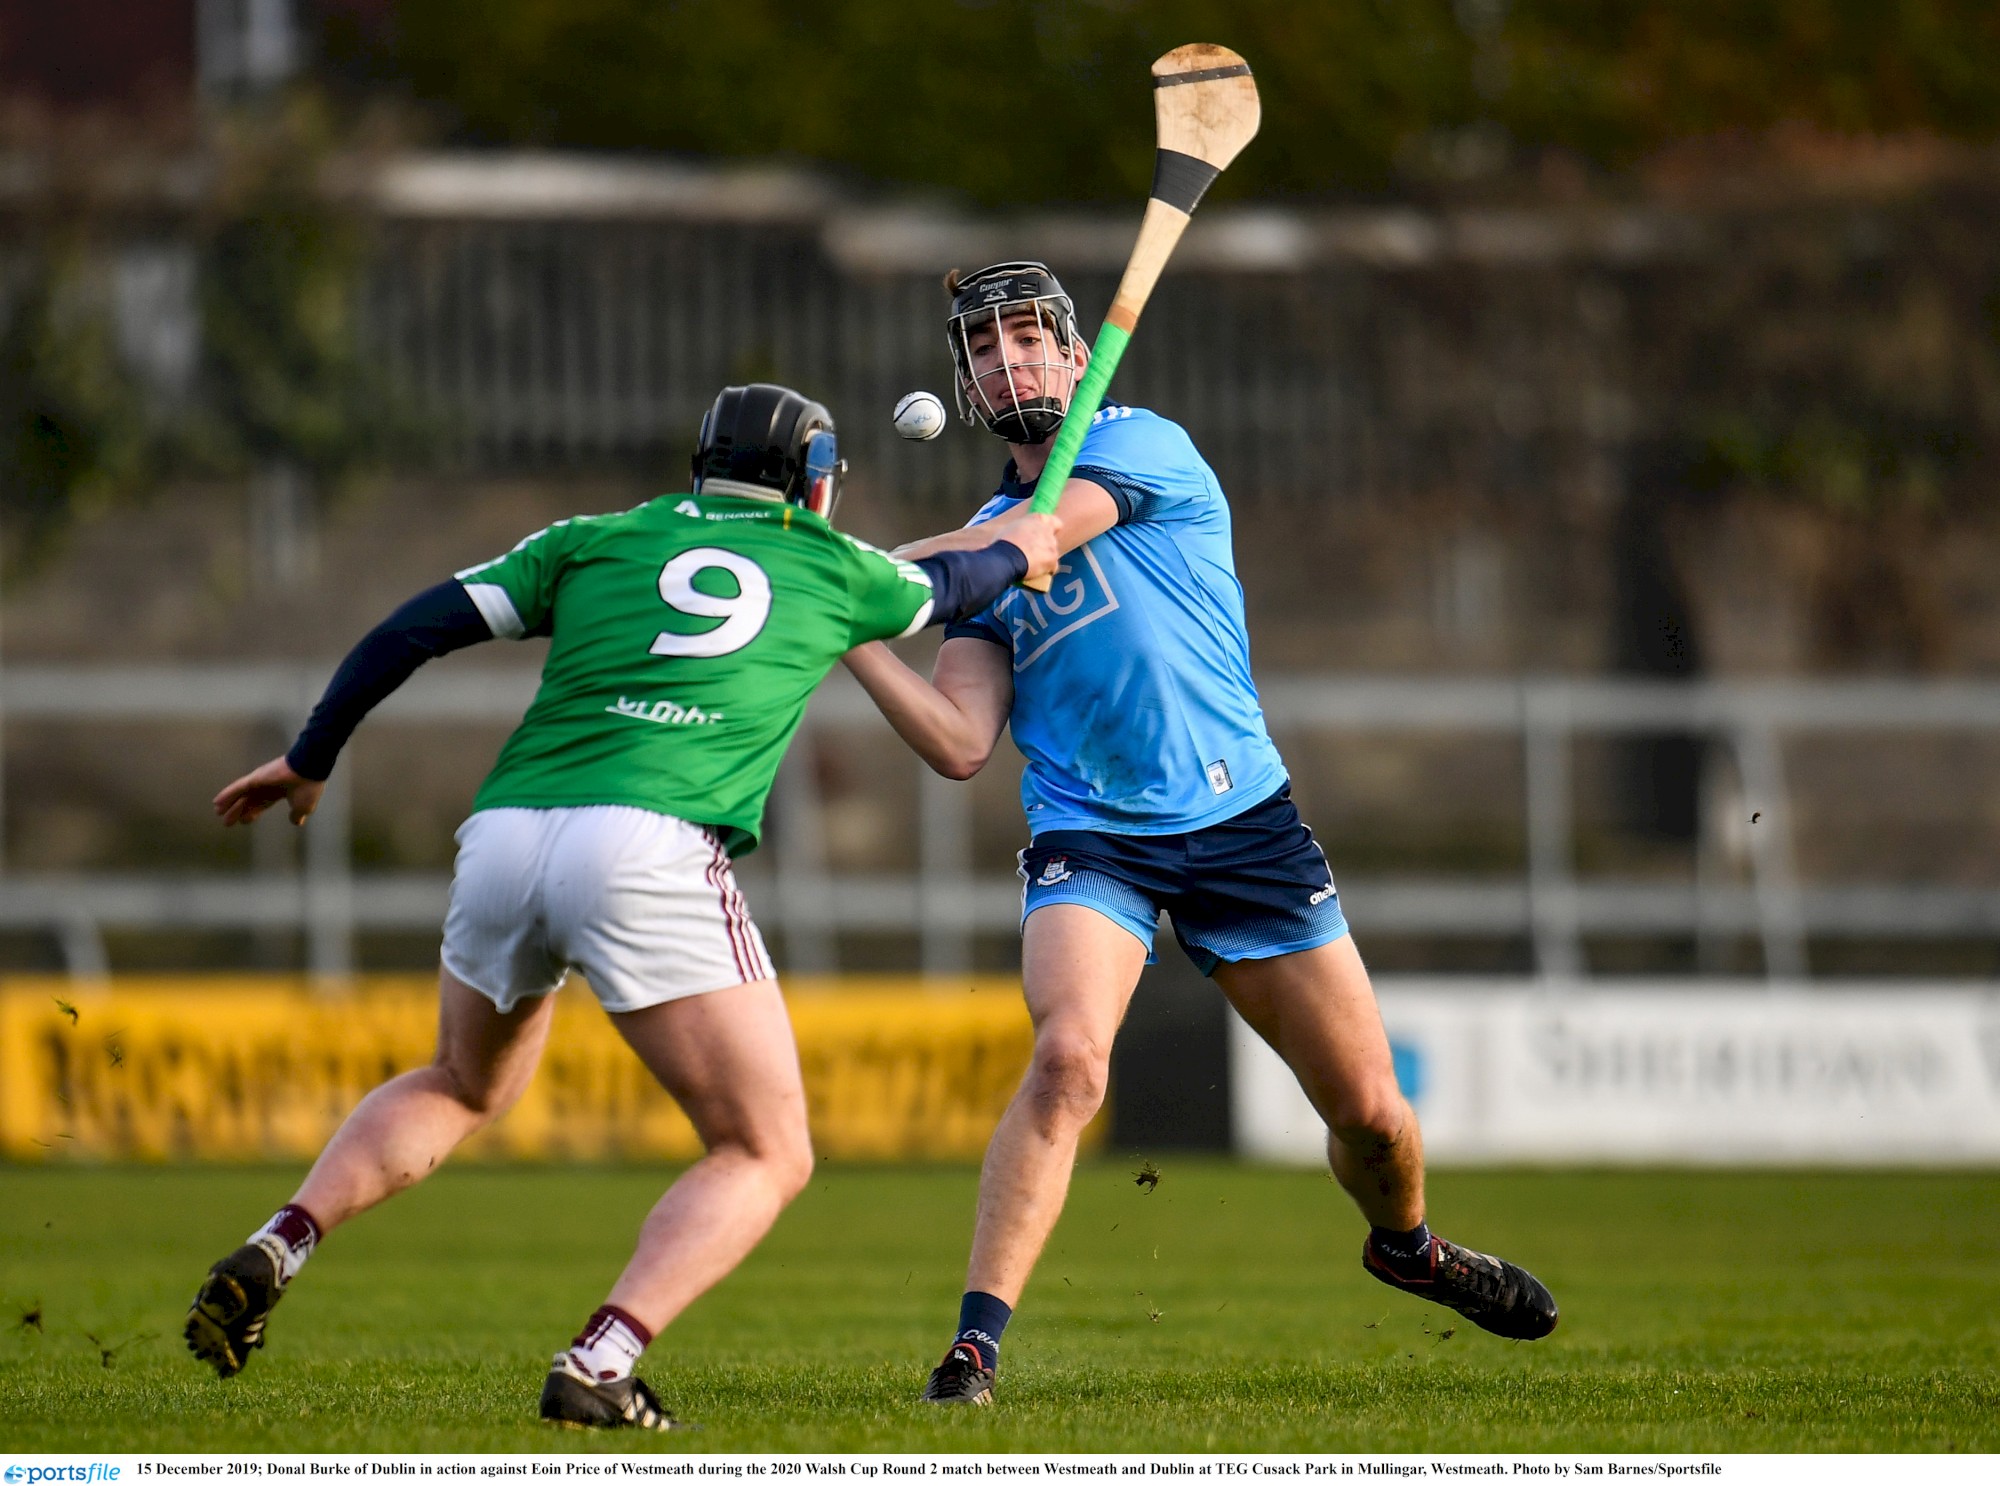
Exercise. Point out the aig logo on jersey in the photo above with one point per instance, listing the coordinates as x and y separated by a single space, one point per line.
1078 595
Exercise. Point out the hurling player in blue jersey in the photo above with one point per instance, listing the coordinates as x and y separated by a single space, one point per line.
1151 785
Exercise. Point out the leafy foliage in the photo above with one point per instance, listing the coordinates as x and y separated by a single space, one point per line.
1616 78
1037 101
284 375
72 431
1002 100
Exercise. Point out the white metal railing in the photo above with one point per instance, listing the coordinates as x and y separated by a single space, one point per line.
948 900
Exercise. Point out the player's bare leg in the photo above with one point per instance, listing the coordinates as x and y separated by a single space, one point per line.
395 1137
404 1130
1078 971
1317 1009
728 1059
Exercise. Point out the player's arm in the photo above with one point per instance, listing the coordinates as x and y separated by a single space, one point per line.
1086 510
964 581
952 720
435 622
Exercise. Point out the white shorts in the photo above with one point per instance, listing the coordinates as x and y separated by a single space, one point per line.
644 904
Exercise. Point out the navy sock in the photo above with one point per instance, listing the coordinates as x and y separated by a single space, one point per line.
1399 1248
981 1320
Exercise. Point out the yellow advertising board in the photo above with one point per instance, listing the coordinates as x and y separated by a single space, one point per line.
246 1068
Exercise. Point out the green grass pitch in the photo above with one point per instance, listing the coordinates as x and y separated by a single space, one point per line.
1226 1311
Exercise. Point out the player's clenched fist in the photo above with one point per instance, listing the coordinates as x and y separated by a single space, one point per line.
1035 535
249 797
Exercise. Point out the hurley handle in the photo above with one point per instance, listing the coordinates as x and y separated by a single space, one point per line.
1104 356
1205 110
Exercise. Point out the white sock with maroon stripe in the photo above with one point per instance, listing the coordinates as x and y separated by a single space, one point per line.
609 1345
295 1234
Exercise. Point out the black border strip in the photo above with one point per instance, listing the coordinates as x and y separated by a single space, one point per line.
1201 75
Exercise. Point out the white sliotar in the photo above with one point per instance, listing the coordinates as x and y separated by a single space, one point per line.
919 415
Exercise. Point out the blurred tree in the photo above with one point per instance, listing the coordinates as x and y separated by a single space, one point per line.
72 430
283 393
1019 101
284 375
289 396
1615 79
1036 101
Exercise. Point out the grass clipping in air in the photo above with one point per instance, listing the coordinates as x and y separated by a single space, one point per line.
1225 1311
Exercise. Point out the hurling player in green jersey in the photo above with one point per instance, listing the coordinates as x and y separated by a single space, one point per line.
685 637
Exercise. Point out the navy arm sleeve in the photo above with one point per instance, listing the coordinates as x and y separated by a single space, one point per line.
436 622
963 583
1126 493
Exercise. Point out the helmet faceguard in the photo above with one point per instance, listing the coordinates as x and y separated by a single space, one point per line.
985 303
822 472
772 443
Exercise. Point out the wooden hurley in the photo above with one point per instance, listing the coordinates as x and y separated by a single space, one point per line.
1205 107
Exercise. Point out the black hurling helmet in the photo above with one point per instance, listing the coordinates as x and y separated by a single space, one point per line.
981 301
772 443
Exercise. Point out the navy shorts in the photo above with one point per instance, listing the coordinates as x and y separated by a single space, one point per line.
1247 888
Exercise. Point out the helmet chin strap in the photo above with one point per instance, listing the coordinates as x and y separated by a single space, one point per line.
1016 420
1014 424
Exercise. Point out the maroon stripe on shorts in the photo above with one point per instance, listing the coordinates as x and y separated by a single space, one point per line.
759 966
718 865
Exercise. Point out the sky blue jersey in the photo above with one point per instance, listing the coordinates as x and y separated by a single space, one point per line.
1133 700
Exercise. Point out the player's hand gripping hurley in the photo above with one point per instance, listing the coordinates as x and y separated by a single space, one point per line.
1205 109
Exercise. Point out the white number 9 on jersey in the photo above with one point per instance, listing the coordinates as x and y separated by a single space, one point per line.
742 616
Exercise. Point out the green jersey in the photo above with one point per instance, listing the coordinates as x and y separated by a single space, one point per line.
686 636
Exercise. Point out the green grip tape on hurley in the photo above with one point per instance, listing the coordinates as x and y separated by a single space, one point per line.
1111 343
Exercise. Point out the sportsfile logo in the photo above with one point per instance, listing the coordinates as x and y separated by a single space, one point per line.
32 1475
